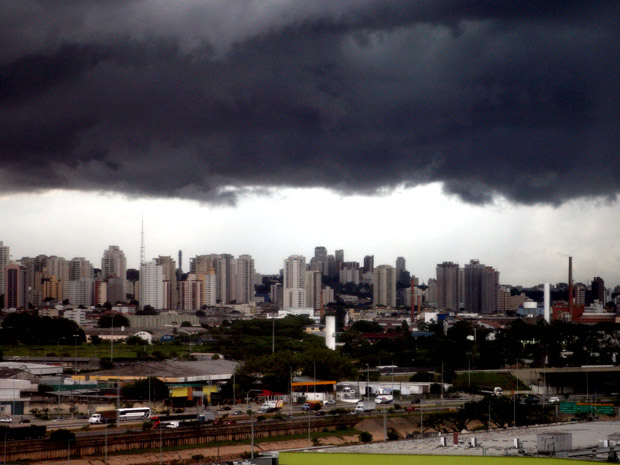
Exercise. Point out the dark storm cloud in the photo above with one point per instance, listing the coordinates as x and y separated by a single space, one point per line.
207 99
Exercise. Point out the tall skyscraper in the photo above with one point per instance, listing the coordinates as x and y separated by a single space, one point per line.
320 260
294 293
481 285
489 290
473 286
313 290
114 265
15 295
151 285
169 275
369 263
401 268
210 287
80 291
384 286
447 286
598 290
244 279
79 267
4 261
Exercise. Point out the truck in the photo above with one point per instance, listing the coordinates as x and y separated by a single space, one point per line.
271 406
365 406
312 405
384 399
102 417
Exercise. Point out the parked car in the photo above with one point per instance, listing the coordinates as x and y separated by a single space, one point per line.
225 407
24 420
238 412
6 420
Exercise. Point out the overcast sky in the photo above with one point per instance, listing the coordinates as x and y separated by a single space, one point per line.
436 130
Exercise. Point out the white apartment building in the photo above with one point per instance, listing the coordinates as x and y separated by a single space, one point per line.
151 286
244 279
384 286
294 292
79 291
114 265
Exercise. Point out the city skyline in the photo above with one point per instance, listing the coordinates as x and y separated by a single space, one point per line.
433 130
548 259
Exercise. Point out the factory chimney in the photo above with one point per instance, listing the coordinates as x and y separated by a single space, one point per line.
412 299
570 286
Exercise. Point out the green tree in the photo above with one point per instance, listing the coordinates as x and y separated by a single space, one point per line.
117 320
139 390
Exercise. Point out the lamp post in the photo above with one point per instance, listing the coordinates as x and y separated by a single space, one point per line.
75 338
247 402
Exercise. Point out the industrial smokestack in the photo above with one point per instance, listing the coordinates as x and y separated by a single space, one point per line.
547 313
412 299
330 332
570 286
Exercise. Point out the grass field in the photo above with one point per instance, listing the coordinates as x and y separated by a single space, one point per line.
489 380
102 350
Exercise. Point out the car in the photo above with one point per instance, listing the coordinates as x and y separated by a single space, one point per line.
554 400
329 402
411 408
320 413
225 407
172 424
230 422
24 420
6 420
238 412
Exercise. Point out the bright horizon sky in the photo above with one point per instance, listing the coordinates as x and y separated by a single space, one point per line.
527 244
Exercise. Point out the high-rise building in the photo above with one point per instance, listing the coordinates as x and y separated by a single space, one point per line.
598 290
169 275
473 286
339 255
192 292
59 267
320 260
481 285
489 289
151 285
4 261
369 263
79 267
225 275
350 273
210 287
447 286
244 279
384 286
115 290
401 267
294 283
80 291
15 287
313 290
114 265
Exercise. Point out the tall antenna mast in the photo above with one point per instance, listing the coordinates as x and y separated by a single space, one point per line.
142 244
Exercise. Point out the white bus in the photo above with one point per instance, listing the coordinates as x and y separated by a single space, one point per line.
134 413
